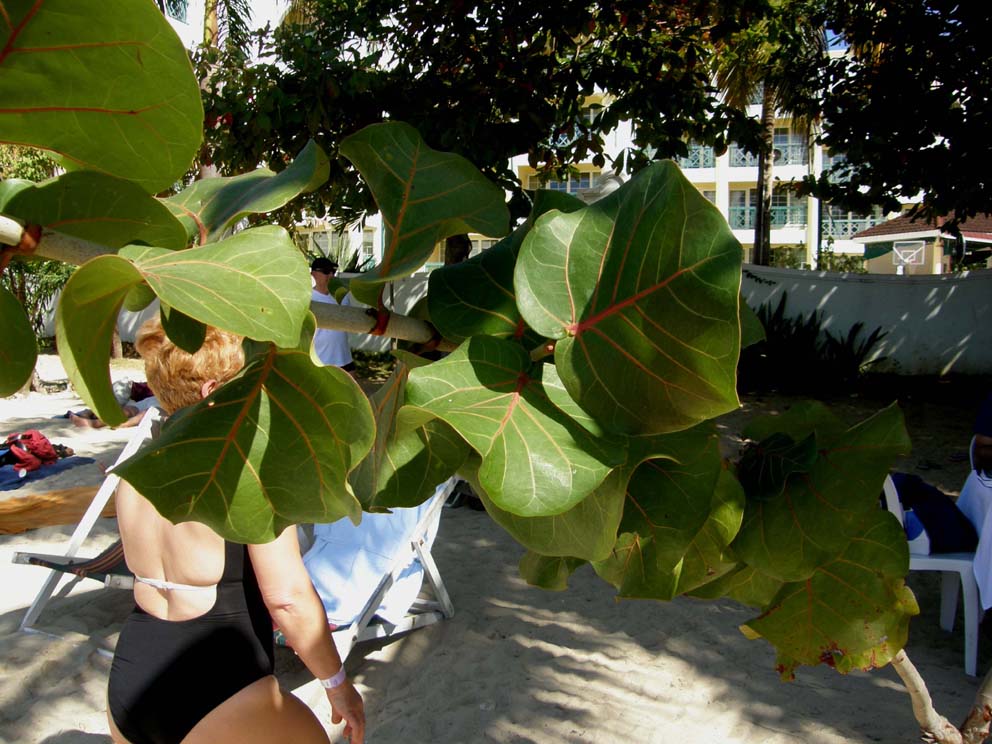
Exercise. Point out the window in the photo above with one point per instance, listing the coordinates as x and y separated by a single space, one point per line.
575 183
368 244
177 9
481 244
709 195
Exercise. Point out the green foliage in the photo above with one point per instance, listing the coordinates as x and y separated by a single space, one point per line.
788 256
798 353
25 162
597 450
847 264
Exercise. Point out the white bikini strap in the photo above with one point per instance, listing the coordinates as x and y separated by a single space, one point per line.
160 584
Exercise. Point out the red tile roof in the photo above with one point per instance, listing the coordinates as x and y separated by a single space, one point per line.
978 227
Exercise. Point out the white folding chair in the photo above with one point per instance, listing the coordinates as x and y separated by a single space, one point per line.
957 569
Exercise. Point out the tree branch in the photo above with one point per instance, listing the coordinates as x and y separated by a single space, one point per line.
975 728
934 726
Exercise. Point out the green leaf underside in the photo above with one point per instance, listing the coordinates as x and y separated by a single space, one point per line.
476 297
649 336
254 283
182 330
405 467
744 584
271 448
852 613
84 325
143 121
18 349
751 329
424 196
587 531
811 522
536 460
798 422
208 207
764 468
548 572
100 208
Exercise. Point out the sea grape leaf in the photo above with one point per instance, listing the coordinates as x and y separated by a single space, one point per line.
548 572
185 332
813 519
10 187
764 466
18 347
208 207
99 208
798 422
709 555
745 584
751 329
424 195
852 613
404 467
84 325
536 460
642 290
587 531
476 297
139 297
269 449
142 122
254 283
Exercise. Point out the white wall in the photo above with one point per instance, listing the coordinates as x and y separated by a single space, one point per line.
935 324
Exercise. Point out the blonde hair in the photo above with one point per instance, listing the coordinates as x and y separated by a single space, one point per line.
176 376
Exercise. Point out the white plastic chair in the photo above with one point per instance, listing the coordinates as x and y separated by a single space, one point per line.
956 570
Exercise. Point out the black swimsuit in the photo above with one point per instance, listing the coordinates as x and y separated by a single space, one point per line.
167 675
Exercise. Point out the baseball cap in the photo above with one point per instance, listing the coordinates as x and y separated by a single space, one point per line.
323 265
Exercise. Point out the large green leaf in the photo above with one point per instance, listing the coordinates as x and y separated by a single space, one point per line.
476 297
424 196
210 206
548 572
765 466
536 460
745 584
84 326
812 521
404 466
107 85
99 208
852 613
587 531
642 289
18 348
271 448
254 283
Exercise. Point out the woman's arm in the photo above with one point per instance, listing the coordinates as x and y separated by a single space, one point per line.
296 609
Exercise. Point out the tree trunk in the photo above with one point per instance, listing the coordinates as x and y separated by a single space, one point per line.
116 347
210 23
761 253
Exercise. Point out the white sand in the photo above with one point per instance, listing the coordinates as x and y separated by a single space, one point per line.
514 665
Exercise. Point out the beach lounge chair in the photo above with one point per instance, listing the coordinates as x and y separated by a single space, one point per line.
369 577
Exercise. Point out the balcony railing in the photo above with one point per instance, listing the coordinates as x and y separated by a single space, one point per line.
698 157
795 153
742 218
843 228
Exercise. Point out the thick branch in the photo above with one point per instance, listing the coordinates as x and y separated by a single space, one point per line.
356 320
975 729
934 726
54 245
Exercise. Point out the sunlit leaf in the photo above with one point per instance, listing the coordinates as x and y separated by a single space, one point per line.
746 585
536 460
18 348
642 289
852 613
126 101
404 467
84 326
424 196
99 208
272 448
254 283
813 519
208 207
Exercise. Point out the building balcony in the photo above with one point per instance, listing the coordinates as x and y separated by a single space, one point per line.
698 157
791 154
846 227
742 218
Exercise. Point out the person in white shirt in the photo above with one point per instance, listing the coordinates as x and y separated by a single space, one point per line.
331 347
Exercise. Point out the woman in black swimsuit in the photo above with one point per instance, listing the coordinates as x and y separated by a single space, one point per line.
194 659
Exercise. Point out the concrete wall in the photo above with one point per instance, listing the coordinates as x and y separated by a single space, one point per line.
935 324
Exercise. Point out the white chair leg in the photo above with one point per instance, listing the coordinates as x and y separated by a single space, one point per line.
949 583
971 620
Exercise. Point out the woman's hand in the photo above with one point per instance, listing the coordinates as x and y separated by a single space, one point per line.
347 706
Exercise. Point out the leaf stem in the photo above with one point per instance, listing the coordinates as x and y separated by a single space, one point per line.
935 727
540 352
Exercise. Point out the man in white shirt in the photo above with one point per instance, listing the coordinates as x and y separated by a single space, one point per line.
330 346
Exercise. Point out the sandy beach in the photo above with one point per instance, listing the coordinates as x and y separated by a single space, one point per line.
515 664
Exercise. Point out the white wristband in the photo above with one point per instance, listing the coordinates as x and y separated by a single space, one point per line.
336 681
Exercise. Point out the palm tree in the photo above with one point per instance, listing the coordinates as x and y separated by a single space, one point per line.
232 17
777 57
